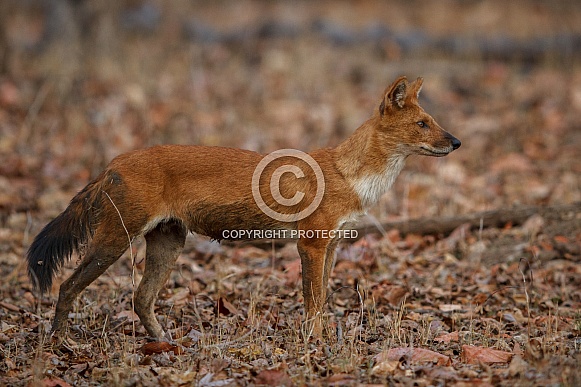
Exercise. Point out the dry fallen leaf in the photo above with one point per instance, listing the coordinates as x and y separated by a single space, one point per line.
277 377
55 382
225 307
392 293
385 367
476 355
127 314
447 337
9 306
249 352
292 272
561 239
179 298
450 307
414 355
159 347
339 380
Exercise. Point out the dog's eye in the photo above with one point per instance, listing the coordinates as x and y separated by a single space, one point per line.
421 124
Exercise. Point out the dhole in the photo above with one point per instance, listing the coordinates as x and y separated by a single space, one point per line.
164 192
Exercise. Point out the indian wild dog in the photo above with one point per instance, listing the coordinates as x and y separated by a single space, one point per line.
164 192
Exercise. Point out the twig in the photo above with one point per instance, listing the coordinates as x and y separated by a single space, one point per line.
33 110
132 265
524 279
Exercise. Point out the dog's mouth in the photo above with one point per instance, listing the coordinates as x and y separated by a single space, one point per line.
438 152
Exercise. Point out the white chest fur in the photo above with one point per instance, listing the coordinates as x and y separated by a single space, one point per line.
372 186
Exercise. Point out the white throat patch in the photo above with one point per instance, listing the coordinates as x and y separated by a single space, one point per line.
371 187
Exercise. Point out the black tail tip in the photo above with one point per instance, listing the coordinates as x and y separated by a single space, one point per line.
41 278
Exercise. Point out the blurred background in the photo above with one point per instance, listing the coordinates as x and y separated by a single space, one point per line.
83 81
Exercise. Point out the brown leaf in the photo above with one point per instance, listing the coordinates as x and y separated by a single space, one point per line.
561 239
476 355
292 272
480 298
396 294
446 373
159 347
82 368
127 314
217 365
251 351
415 356
10 307
339 380
385 367
55 382
392 293
447 337
450 307
224 307
273 378
179 298
459 234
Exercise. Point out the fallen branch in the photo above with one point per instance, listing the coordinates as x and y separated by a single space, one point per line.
445 225
485 219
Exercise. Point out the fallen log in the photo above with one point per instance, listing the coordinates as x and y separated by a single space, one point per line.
485 219
445 225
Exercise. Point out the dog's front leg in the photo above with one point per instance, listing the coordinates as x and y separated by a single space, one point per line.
313 253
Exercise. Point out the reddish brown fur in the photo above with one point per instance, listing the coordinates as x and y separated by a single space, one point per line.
165 192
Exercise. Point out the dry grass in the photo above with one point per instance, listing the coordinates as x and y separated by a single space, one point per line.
262 329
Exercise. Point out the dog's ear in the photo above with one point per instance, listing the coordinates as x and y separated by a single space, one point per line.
414 89
394 96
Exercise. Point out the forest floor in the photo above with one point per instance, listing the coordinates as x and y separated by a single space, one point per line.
494 305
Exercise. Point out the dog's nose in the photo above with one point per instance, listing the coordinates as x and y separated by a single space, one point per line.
456 143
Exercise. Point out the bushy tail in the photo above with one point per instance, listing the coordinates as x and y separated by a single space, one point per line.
65 234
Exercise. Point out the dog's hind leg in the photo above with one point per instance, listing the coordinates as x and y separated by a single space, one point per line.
164 244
